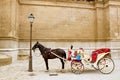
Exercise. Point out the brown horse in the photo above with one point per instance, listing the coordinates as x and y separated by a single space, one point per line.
46 53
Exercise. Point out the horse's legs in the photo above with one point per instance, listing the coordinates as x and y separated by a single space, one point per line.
46 62
62 63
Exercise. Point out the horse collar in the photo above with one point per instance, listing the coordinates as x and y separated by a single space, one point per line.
47 50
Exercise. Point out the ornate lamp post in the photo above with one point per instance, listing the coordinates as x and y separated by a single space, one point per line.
31 18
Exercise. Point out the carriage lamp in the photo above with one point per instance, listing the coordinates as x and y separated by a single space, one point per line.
31 19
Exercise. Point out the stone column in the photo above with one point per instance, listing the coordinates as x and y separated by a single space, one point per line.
115 22
8 27
102 21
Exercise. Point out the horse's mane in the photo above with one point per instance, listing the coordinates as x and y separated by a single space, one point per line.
44 49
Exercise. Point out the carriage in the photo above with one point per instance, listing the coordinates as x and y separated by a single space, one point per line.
100 59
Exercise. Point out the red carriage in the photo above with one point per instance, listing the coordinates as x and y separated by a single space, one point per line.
100 59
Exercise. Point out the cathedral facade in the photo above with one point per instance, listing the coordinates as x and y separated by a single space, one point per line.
90 24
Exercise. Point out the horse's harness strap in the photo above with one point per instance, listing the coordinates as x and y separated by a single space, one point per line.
58 56
48 50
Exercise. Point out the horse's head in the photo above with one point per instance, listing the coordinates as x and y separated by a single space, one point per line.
40 46
35 46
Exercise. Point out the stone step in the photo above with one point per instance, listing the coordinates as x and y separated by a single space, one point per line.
5 59
23 57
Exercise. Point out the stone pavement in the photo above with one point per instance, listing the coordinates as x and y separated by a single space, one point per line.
19 71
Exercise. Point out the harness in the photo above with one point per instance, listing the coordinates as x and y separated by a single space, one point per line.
58 56
48 50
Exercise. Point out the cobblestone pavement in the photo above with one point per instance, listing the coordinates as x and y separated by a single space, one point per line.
19 71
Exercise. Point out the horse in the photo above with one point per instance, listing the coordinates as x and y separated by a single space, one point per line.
47 54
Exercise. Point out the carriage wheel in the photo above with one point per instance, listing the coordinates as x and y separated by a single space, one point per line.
106 65
77 67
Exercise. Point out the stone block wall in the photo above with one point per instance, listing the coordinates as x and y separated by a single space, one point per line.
77 21
58 22
9 28
87 46
9 19
90 25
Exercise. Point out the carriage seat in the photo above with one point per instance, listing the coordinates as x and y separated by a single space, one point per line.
98 51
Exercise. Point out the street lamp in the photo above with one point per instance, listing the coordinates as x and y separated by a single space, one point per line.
31 18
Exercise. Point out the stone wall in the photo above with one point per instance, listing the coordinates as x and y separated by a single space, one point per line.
8 21
9 28
62 22
87 46
90 25
77 21
115 22
58 24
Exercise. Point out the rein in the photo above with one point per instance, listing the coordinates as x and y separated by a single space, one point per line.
53 54
58 56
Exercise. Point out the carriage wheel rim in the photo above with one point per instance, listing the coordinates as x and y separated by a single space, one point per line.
102 70
79 70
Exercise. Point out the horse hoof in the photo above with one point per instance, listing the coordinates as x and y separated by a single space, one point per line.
46 70
62 71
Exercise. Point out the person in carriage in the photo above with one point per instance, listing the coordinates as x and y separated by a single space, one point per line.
74 54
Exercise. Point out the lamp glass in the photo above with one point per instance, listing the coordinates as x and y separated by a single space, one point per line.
31 18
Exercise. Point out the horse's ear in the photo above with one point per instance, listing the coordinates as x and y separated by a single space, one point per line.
37 42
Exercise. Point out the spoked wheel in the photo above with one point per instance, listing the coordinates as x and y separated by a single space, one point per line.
106 65
77 67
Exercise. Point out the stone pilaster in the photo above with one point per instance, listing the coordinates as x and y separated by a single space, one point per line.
102 23
114 20
9 28
8 21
